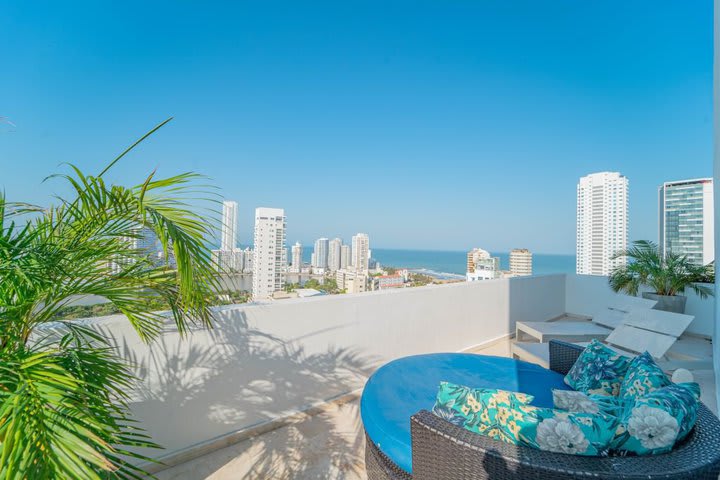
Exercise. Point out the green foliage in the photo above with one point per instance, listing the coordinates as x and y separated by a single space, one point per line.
419 280
63 411
329 285
665 275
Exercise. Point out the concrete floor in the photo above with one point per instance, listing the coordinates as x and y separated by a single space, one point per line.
329 445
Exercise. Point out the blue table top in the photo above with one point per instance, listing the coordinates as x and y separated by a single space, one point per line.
401 388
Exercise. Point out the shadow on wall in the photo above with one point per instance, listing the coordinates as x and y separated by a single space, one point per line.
233 377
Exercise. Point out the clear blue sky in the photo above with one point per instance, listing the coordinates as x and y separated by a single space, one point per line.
441 125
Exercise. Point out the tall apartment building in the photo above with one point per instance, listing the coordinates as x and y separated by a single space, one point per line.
228 229
520 262
481 266
344 256
686 219
334 251
296 256
236 260
321 253
602 222
360 258
270 256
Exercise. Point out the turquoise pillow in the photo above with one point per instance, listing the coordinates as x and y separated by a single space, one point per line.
507 417
573 401
643 376
655 422
598 370
458 404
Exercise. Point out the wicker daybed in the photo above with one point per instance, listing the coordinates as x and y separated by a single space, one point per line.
441 450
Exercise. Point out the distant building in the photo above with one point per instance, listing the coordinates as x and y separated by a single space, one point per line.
344 256
602 222
520 262
334 253
296 256
686 219
270 259
232 261
145 244
385 282
228 229
321 253
360 252
352 281
481 266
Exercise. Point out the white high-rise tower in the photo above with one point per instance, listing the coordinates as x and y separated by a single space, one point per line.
345 256
270 255
360 252
296 264
321 253
602 222
334 251
228 238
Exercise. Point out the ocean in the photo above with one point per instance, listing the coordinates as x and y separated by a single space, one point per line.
450 264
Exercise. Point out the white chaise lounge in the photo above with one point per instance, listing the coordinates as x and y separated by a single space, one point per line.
599 327
642 329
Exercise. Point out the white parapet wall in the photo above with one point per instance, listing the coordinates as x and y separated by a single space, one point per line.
262 362
587 294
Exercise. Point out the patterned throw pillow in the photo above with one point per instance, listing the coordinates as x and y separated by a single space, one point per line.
598 370
656 422
458 404
506 416
643 376
573 401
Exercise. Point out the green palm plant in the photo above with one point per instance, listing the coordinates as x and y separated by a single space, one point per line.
668 274
63 389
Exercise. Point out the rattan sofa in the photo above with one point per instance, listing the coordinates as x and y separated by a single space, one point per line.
441 450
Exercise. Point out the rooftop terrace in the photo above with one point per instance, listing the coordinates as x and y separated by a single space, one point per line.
273 390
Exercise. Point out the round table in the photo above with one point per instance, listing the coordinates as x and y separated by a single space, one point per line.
401 388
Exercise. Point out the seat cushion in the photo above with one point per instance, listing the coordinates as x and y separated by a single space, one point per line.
401 388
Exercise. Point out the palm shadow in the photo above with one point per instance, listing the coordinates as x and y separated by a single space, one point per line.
233 377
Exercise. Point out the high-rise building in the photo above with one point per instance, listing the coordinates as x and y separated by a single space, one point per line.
321 253
481 265
520 262
270 255
344 256
334 252
360 252
686 219
232 261
228 229
602 222
296 264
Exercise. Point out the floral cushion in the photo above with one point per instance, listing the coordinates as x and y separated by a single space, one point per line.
504 416
655 422
573 401
643 376
598 370
459 404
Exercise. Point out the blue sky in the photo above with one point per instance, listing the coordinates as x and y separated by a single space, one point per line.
439 125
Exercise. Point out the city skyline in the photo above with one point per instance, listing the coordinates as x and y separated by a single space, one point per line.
428 94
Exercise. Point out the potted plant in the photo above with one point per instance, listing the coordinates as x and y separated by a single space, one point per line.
666 275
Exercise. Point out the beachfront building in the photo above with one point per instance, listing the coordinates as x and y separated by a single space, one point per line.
602 222
360 252
686 219
481 265
228 229
334 253
520 262
344 256
384 282
270 256
321 253
352 281
296 258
